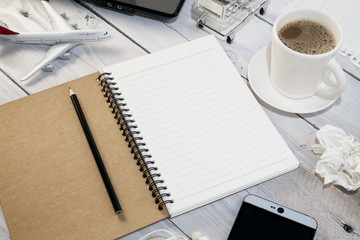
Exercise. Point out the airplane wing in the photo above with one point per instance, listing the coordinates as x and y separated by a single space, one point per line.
59 23
54 52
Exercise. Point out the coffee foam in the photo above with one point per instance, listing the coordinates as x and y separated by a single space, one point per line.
307 36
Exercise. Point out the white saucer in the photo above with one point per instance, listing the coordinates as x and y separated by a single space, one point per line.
259 78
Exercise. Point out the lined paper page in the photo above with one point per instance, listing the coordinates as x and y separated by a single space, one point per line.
204 129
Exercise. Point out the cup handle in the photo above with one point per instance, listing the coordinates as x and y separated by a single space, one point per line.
331 91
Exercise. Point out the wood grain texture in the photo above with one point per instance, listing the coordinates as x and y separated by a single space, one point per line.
151 34
86 58
293 130
300 189
9 91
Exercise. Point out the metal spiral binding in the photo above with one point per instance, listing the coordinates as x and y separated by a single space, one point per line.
135 141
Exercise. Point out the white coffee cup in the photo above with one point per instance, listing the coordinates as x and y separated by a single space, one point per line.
299 75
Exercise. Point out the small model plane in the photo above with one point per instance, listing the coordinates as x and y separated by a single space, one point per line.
62 40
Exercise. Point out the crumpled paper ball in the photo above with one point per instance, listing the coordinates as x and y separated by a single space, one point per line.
340 160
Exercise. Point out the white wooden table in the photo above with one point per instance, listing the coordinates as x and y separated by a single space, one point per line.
136 36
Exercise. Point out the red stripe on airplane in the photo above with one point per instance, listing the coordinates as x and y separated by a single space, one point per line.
6 31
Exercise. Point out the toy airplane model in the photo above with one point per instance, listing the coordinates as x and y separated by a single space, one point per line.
62 40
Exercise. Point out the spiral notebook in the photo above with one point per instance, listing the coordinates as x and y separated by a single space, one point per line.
190 133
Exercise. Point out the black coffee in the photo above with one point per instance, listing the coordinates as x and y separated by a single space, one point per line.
307 36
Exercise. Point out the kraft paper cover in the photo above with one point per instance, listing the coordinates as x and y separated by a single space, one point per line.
50 187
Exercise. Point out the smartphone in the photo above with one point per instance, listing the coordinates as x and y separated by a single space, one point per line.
166 9
259 218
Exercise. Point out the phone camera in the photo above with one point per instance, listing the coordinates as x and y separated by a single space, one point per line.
280 210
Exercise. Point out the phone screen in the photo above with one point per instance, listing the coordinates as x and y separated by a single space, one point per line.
254 222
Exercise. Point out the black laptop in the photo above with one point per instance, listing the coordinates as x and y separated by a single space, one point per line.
165 9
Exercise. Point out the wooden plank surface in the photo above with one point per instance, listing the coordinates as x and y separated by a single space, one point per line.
9 91
86 58
135 36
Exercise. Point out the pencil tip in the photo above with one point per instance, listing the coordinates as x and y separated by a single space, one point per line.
71 91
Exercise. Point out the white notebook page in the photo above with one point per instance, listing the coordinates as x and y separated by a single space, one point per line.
206 132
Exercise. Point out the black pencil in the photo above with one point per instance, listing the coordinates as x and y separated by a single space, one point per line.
95 151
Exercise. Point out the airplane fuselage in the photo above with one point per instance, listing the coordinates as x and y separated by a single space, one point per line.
50 38
61 41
